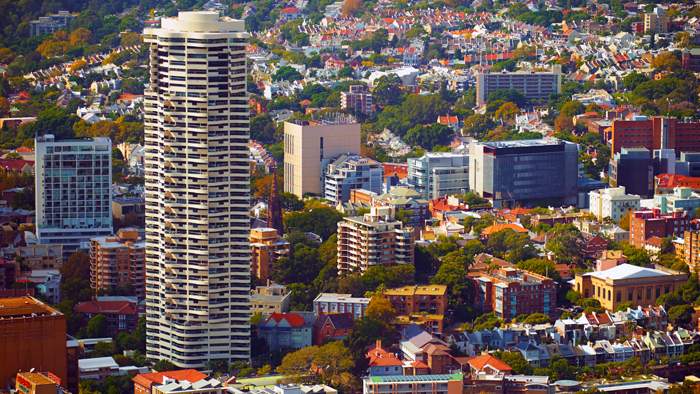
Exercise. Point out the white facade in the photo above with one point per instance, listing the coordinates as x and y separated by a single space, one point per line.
73 198
612 203
341 303
439 174
197 191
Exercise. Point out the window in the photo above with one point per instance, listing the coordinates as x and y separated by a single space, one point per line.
648 293
618 296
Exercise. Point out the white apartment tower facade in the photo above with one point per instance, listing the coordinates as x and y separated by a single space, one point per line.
73 195
197 191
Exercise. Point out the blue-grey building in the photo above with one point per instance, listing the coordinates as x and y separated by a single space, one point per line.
438 174
525 172
348 172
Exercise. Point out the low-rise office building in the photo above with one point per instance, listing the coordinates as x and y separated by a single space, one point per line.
439 174
627 283
524 172
633 168
534 86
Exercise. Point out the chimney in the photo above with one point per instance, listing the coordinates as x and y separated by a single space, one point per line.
378 344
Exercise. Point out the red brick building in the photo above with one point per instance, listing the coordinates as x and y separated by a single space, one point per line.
650 223
332 327
510 292
121 316
647 133
594 246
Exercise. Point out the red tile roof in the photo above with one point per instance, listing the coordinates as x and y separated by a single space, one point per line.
294 319
15 164
479 362
106 307
669 181
147 380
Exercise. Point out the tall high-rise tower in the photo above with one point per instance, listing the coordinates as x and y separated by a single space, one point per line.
197 191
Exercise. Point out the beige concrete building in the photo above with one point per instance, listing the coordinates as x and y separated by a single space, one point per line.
309 146
373 239
628 283
197 171
272 298
266 247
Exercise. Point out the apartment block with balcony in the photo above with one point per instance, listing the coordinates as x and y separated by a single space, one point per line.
377 238
653 223
118 263
535 86
266 247
350 172
424 304
73 196
509 292
357 100
612 203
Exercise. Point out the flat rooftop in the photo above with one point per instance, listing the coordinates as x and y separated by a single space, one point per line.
36 378
23 307
415 378
522 143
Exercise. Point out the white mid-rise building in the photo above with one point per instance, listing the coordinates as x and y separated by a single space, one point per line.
439 174
612 203
197 191
73 197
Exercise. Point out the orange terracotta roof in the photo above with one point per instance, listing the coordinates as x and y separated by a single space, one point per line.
149 379
494 228
669 181
479 362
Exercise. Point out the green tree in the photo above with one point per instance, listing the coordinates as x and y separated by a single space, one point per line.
566 242
380 308
515 360
429 136
540 266
387 90
97 326
681 315
322 221
287 73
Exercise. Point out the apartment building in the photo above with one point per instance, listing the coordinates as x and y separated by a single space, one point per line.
197 172
682 199
73 196
628 283
420 303
689 249
524 172
657 132
656 21
33 336
633 168
350 172
328 303
439 174
50 24
509 292
272 298
376 238
118 262
535 86
652 223
357 100
310 145
612 203
266 247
